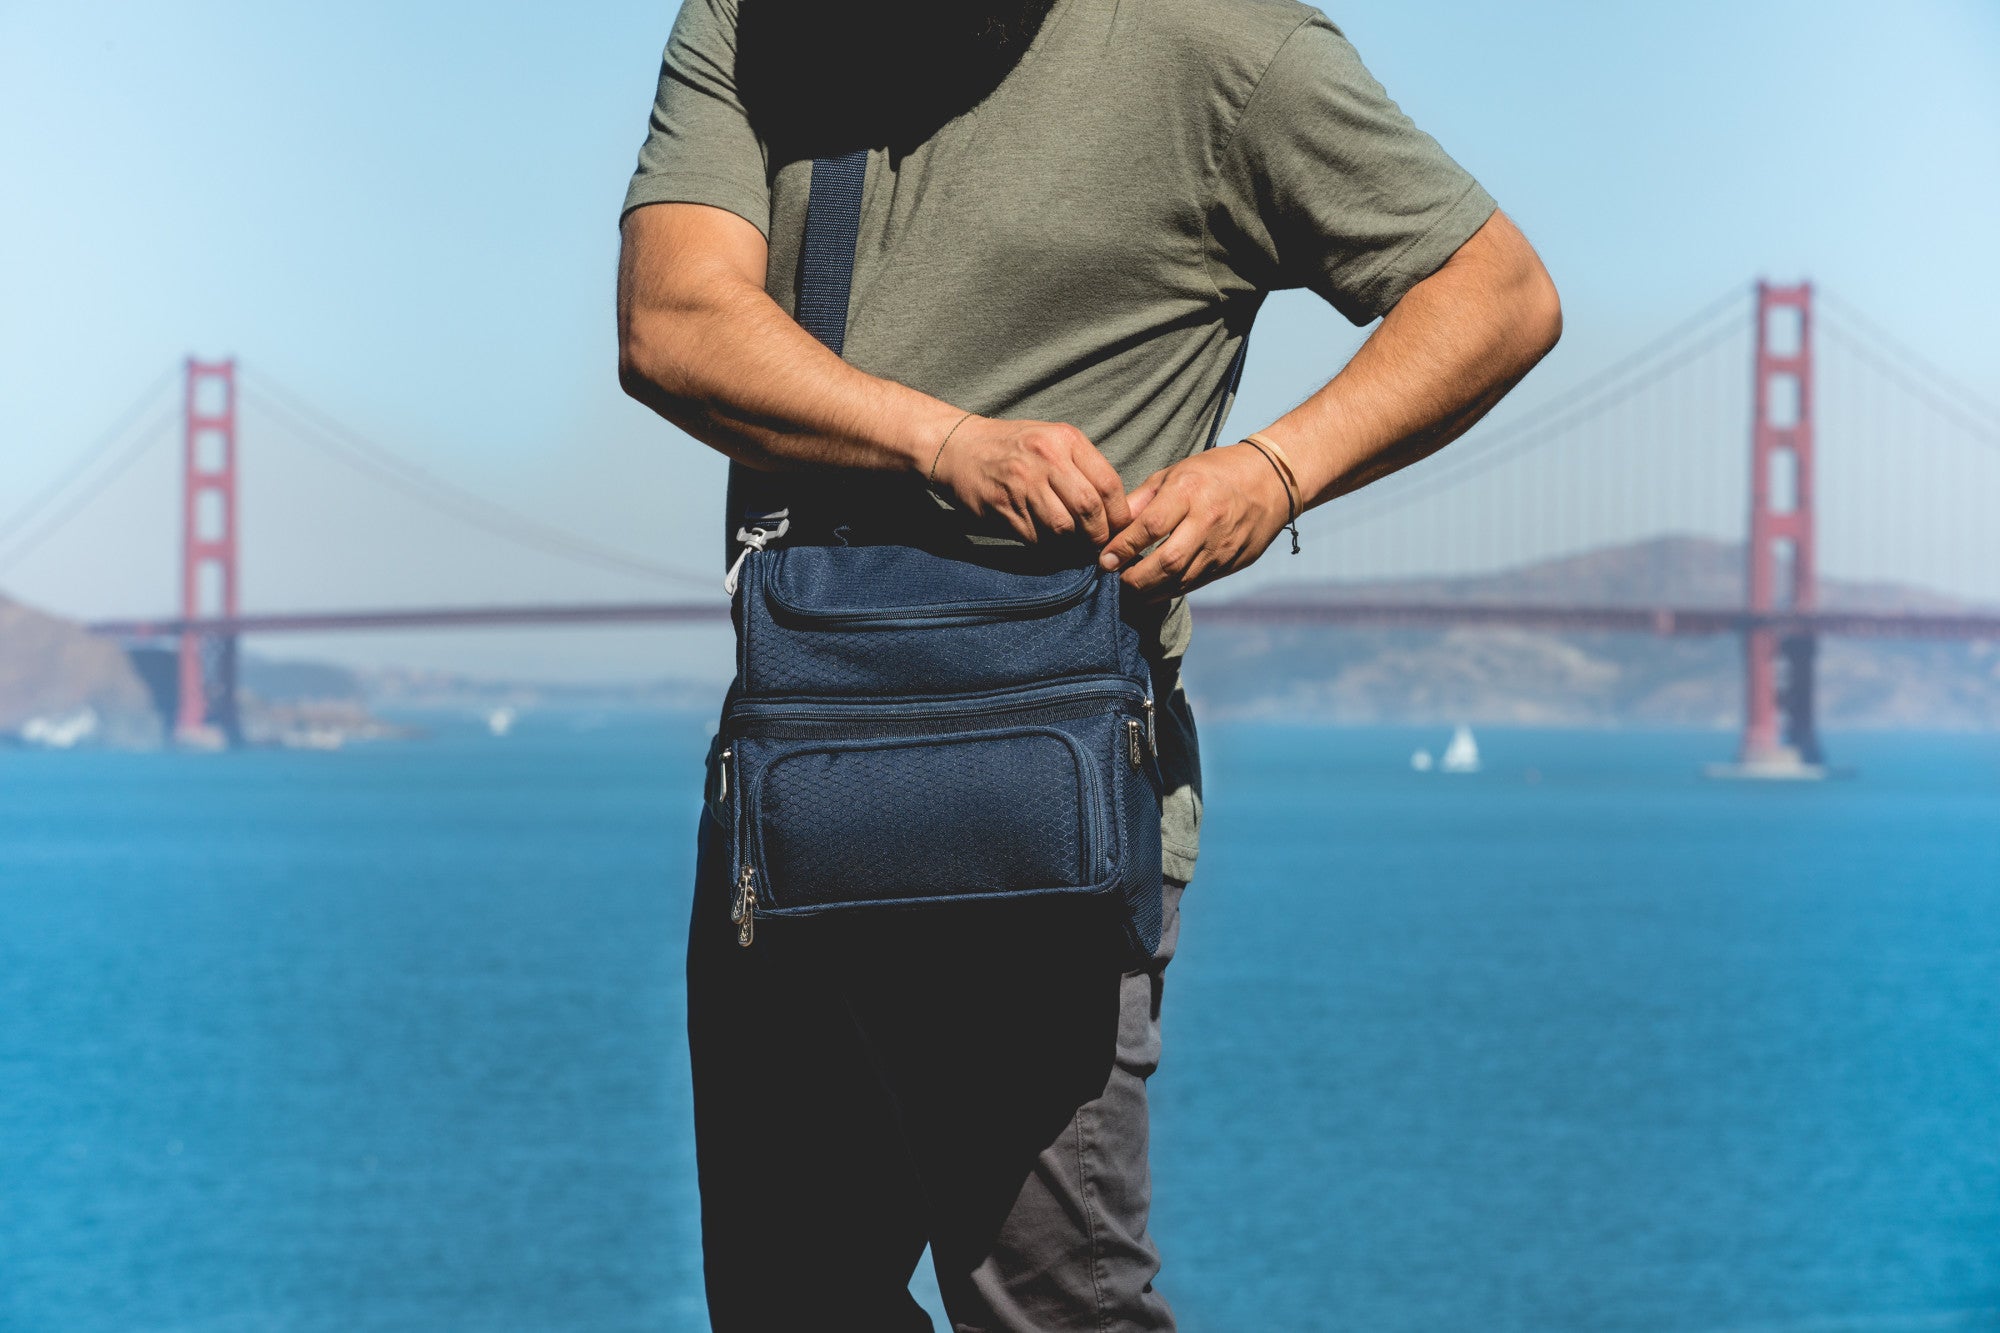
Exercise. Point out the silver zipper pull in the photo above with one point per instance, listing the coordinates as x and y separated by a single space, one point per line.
1152 733
743 912
1132 750
722 783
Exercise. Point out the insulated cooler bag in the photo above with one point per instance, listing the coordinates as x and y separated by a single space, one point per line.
909 729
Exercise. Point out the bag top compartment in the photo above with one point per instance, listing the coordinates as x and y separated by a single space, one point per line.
855 587
901 622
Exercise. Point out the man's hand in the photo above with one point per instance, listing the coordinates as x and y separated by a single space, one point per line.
1041 479
1449 350
1211 515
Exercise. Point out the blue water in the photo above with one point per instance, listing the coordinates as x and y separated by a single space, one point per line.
389 1040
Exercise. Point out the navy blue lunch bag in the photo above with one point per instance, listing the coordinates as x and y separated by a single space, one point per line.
907 728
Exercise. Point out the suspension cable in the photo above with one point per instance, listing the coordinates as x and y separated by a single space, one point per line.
89 457
1986 432
1460 466
139 444
323 433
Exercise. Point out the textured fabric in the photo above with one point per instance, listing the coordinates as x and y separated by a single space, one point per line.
826 271
1088 243
1003 1120
870 621
991 813
902 580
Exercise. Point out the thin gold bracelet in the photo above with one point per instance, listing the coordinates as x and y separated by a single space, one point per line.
930 478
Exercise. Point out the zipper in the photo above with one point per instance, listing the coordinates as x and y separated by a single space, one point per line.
743 910
728 757
1152 734
1133 751
1094 835
863 721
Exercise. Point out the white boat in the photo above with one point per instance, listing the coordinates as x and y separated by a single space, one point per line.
1462 755
60 733
500 721
1421 761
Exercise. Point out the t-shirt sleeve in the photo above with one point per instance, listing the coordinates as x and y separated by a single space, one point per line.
700 148
1326 183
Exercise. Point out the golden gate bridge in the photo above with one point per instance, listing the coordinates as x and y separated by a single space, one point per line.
1520 473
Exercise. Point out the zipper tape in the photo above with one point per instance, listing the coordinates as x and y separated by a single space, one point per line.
861 721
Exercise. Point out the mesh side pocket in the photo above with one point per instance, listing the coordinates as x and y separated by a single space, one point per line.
839 823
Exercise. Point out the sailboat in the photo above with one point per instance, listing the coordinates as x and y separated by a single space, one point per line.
1462 755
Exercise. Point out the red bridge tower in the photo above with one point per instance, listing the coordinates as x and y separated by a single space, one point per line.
1779 735
206 714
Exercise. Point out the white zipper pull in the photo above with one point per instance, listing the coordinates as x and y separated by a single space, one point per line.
754 539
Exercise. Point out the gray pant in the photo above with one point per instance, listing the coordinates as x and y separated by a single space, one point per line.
974 1078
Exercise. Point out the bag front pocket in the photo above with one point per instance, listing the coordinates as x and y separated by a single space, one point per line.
1022 794
890 819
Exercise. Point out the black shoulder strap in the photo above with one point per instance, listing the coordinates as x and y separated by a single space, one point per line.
826 264
826 278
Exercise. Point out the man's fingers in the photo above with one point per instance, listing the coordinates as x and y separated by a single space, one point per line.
1156 522
1052 516
1137 501
1142 495
1016 515
1105 481
1081 499
1167 567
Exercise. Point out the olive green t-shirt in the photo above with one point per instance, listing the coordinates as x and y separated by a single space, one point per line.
1090 242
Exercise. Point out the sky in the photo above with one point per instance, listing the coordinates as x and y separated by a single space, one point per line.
405 215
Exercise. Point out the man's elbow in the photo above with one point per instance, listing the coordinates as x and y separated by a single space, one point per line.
648 357
1532 301
1540 306
1503 277
633 376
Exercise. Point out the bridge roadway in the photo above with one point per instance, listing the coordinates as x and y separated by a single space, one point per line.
1253 611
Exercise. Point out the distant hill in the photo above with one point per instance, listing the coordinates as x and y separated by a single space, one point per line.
52 672
281 681
51 669
1529 678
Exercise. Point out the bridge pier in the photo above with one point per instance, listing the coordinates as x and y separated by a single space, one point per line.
1780 729
205 713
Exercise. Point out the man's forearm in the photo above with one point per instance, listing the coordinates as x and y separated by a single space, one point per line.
702 344
1450 350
